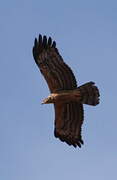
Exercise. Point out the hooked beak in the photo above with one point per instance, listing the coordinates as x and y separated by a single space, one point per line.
45 101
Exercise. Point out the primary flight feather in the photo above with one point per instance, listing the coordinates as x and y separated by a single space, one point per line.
67 97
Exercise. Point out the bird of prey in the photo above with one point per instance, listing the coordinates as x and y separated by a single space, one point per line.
67 97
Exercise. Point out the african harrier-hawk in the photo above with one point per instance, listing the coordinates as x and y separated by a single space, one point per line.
68 99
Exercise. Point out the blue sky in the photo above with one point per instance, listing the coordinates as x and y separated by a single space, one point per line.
86 36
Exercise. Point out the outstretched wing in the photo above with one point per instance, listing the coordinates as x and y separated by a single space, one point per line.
58 75
68 122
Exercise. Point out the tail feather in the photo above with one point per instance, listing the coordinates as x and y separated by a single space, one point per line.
89 93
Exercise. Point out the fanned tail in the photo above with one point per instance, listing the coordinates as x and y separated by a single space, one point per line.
89 93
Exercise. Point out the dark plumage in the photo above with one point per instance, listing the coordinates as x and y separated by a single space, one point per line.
68 99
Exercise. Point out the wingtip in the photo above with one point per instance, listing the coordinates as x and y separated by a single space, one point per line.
54 44
35 42
49 41
44 41
41 43
81 141
79 145
40 39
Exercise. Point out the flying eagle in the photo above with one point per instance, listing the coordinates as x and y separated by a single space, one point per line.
67 97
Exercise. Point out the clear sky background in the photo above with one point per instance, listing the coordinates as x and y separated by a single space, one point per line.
86 36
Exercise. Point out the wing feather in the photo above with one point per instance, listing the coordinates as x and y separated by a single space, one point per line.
58 75
68 123
64 71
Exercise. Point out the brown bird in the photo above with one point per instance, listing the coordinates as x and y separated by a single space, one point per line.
67 97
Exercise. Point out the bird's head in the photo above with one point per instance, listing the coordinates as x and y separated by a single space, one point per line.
48 100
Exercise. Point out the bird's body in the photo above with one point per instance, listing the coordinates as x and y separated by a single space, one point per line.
67 97
64 96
